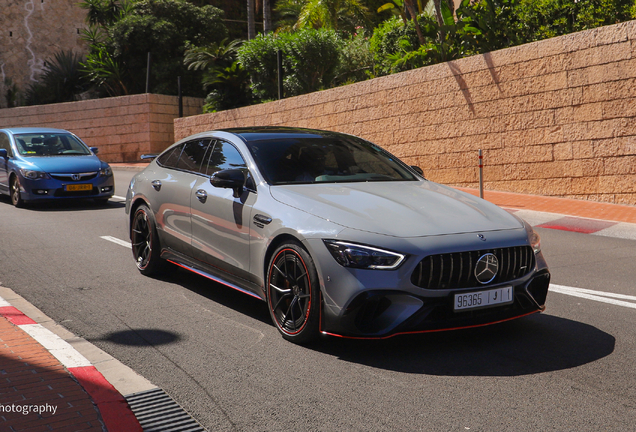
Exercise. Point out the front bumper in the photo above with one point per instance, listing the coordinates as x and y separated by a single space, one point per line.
53 189
380 304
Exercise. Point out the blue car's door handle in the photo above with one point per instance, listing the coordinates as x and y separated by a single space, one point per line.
156 184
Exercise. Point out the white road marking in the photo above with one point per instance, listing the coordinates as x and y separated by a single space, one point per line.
119 197
117 241
598 296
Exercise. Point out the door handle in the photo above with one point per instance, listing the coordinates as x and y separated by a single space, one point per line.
201 195
156 184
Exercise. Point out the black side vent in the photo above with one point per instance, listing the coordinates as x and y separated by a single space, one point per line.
158 412
457 270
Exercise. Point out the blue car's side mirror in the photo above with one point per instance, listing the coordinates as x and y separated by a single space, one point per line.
4 154
94 150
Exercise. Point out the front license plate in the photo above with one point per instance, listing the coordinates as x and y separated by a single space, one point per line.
78 187
481 299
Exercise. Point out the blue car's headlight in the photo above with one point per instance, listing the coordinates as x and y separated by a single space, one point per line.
363 257
106 172
33 174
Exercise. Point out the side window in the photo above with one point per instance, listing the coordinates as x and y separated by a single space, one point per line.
5 143
193 155
170 158
224 156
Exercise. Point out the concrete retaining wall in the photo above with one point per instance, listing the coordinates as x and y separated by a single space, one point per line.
555 117
122 128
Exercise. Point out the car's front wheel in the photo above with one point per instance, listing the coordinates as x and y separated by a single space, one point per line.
16 197
293 293
145 242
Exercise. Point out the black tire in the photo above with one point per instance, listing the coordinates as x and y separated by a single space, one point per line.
16 197
293 293
145 242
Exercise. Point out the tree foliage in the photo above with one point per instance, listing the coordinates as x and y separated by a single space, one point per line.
61 81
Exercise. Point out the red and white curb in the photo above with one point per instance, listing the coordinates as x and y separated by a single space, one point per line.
598 227
116 414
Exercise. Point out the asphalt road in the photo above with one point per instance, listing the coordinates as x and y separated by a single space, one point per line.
217 354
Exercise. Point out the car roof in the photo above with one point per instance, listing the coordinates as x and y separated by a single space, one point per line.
33 130
278 132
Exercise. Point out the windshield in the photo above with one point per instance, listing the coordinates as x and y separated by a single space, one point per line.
50 144
335 159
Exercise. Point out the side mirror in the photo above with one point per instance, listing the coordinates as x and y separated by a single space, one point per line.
418 170
229 179
4 154
94 150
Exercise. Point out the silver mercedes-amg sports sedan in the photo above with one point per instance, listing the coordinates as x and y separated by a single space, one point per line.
335 234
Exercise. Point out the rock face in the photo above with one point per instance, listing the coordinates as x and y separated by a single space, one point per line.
32 31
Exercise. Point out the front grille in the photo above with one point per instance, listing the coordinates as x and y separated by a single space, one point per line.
457 270
69 177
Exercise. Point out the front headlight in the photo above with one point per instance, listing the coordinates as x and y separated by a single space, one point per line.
33 174
106 172
535 242
363 257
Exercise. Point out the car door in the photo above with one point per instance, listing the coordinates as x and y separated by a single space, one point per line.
5 143
170 192
221 222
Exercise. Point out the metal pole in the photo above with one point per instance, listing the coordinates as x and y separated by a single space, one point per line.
279 60
180 97
481 175
148 74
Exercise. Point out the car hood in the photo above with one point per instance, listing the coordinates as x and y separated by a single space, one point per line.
64 164
400 209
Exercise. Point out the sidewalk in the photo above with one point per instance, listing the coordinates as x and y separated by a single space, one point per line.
46 385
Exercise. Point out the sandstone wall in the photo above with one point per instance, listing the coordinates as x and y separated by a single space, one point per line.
33 31
123 128
555 117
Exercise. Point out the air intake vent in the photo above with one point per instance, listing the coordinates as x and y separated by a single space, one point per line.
457 270
158 412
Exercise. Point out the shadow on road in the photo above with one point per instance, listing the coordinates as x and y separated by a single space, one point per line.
530 345
142 337
533 344
65 205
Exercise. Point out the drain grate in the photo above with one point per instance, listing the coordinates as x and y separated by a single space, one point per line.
158 412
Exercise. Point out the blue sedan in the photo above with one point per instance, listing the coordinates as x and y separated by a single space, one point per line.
50 164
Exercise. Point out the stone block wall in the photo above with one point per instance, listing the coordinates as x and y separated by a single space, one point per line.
555 117
32 32
123 128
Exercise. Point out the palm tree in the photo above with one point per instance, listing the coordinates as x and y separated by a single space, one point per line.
331 14
251 20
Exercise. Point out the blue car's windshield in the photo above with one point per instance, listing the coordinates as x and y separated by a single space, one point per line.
50 144
334 159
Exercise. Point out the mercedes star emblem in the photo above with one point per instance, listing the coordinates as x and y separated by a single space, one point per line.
486 268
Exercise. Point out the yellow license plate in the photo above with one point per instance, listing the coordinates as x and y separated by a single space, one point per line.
79 187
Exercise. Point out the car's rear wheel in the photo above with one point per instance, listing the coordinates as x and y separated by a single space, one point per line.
145 242
293 293
16 197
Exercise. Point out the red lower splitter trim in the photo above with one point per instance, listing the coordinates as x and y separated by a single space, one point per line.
14 316
114 409
429 331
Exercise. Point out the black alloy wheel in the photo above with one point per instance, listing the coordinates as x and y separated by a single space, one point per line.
145 243
16 197
293 293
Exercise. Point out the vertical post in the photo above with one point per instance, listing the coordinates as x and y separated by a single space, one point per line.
148 74
481 175
180 97
279 61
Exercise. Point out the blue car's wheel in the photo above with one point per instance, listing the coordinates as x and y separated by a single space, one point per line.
16 197
145 243
293 293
